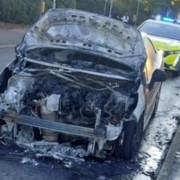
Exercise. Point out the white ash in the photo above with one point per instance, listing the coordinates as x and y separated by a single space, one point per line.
57 151
160 132
26 160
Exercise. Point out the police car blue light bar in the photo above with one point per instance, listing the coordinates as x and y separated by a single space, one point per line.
167 19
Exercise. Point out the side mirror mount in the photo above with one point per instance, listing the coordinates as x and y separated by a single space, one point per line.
158 76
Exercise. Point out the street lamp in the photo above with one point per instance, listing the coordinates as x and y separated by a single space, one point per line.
105 7
42 7
137 11
111 6
75 4
54 4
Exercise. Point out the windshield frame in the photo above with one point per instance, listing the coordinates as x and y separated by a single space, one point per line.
121 60
66 69
160 34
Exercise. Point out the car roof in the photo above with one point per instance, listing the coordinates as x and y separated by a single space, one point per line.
159 22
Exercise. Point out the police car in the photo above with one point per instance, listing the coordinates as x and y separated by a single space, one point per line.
165 35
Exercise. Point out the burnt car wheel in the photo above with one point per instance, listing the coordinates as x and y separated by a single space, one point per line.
129 143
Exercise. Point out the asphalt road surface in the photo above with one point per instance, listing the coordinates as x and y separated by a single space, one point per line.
9 38
6 56
171 166
16 164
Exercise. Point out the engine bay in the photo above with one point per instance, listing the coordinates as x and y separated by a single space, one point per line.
53 96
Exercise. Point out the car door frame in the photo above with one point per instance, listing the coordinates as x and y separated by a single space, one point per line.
151 94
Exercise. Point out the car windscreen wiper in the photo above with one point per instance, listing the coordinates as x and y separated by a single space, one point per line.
83 82
67 69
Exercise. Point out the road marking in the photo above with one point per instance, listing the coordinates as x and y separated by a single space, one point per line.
7 46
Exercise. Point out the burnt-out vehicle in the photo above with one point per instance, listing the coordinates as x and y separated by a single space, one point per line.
83 79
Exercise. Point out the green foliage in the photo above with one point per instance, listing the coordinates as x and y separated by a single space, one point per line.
66 3
96 6
21 11
28 11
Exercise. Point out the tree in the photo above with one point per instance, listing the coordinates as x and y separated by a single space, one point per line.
28 11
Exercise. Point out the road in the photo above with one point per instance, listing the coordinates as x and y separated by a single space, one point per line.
16 164
171 166
9 38
6 55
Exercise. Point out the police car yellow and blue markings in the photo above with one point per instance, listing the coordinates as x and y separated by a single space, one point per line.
170 47
171 50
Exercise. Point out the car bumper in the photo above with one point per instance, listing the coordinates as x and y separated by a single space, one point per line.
109 132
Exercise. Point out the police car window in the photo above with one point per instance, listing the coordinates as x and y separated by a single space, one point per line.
165 30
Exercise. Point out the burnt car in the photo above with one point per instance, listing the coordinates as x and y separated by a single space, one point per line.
84 79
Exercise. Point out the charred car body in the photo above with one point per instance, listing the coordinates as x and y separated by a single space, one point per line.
78 77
